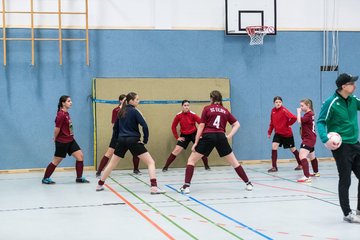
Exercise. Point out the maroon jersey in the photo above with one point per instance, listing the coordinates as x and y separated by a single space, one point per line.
308 134
215 118
115 112
187 122
63 122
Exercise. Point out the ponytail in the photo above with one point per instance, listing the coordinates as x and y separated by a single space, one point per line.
130 96
62 99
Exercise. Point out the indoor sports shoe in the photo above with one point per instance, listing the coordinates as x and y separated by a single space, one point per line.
155 190
98 175
99 188
351 218
249 186
207 168
137 172
358 212
47 181
184 190
165 169
315 174
298 168
82 180
304 180
272 170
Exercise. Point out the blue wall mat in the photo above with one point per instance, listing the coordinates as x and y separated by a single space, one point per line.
287 65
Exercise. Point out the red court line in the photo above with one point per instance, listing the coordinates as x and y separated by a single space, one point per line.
294 190
142 214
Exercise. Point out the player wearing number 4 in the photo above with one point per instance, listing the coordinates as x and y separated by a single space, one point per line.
308 137
210 135
339 114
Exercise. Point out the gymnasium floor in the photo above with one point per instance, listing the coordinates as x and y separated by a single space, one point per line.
217 208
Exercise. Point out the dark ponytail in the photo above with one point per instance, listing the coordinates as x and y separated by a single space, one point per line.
62 99
130 96
216 96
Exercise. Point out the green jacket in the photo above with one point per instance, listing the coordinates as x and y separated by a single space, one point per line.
339 115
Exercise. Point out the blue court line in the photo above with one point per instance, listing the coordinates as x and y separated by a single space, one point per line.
156 101
222 214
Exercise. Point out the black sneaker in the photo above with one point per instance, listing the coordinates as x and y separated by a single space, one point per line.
207 168
82 180
137 172
165 169
47 181
98 175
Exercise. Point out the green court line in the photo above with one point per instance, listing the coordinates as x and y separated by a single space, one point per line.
193 211
153 208
289 180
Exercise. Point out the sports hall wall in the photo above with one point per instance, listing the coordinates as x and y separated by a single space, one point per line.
186 42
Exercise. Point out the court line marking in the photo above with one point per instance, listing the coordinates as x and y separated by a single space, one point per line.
222 214
195 212
141 213
153 208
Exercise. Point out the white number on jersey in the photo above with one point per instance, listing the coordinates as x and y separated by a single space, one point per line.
217 121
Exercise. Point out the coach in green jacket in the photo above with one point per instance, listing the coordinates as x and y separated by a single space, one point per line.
339 114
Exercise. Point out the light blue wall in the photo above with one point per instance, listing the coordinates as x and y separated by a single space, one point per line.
287 65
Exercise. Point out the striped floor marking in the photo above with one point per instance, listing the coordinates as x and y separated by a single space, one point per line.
141 213
224 215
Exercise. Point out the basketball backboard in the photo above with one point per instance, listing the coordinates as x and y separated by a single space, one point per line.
243 13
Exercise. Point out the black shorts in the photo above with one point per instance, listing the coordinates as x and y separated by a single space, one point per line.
311 149
188 138
286 142
61 149
210 140
129 143
113 142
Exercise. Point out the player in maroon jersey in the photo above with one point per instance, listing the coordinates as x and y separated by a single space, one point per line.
308 136
187 120
110 151
65 143
281 120
214 118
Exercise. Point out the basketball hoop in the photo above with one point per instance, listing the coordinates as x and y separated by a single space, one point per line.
257 33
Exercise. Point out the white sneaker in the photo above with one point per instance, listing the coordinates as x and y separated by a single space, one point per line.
357 212
304 180
156 190
99 188
249 186
352 218
315 174
184 190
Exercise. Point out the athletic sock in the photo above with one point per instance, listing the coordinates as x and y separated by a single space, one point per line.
274 158
102 164
153 182
241 173
296 154
315 165
136 161
189 172
170 159
305 167
101 182
206 161
49 170
79 168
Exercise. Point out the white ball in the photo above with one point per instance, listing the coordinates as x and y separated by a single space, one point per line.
335 138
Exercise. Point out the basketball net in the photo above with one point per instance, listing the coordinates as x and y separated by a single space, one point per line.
257 34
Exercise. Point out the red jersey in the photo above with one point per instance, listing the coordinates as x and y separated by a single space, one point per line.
281 120
114 115
308 134
187 122
215 118
63 122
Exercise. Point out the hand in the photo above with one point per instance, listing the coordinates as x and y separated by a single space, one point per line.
331 145
181 139
228 137
298 110
269 135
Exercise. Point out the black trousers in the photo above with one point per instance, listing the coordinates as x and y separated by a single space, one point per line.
347 158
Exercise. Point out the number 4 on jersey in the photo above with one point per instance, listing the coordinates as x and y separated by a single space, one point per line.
217 121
